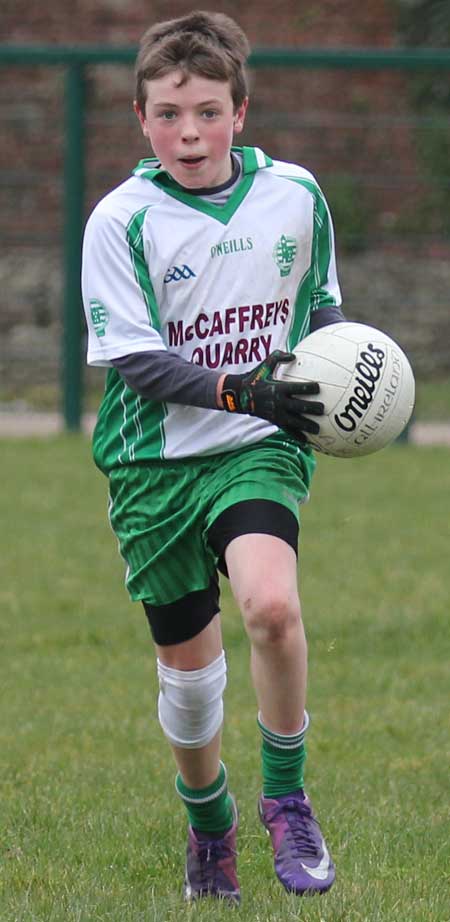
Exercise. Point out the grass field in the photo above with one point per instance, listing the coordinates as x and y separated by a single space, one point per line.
91 830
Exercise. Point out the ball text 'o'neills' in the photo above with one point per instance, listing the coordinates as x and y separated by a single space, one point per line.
369 368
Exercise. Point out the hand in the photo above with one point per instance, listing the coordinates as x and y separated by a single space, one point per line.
280 402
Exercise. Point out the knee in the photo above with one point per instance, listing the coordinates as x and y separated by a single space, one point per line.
271 618
190 705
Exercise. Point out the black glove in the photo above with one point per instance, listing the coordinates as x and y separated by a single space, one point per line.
280 402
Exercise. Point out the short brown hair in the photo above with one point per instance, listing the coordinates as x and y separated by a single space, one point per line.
207 44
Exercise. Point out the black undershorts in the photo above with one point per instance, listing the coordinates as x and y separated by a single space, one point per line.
186 617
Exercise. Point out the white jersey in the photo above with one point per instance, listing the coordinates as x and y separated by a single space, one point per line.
220 285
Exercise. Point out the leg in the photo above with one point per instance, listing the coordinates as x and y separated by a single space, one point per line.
190 673
268 599
198 767
158 516
188 639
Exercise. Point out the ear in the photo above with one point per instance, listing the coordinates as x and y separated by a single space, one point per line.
239 116
141 117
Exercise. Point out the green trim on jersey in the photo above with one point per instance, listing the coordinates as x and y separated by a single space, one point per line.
124 418
136 247
301 314
222 213
253 159
308 299
125 422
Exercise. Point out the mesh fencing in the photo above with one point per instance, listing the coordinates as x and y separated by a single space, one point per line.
378 142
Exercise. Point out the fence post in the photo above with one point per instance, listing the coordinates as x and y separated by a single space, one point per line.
74 170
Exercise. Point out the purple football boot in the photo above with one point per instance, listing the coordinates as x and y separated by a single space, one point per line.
302 862
211 865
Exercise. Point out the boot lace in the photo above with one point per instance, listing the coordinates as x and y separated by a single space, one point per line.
301 827
209 854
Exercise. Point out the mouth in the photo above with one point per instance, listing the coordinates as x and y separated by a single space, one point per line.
191 161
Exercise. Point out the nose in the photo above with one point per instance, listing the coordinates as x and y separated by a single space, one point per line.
189 129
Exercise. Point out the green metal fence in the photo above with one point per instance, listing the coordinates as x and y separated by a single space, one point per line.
74 62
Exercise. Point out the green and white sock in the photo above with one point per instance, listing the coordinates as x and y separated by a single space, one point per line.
283 759
209 809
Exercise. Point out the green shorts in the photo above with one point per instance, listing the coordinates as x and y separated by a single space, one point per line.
161 512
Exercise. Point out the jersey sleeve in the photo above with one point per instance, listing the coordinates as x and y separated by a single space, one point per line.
325 290
120 306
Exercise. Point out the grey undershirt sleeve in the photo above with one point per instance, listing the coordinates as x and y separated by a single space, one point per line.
325 315
164 376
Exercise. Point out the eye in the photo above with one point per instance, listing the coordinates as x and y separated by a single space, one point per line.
168 115
209 113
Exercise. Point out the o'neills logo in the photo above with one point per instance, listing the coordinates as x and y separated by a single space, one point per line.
369 370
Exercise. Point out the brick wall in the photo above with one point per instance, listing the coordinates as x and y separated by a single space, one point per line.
353 129
289 22
316 117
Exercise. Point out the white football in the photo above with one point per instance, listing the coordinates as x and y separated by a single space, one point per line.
366 385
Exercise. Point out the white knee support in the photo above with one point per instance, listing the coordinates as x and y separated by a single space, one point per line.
190 704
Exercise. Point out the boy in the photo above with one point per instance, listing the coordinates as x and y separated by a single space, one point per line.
200 274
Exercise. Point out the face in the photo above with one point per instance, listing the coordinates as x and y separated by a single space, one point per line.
190 128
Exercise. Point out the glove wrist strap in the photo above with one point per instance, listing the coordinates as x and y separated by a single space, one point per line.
230 393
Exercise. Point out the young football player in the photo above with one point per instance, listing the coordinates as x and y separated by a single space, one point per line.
201 272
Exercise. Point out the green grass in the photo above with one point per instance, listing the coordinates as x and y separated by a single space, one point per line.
90 825
432 400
